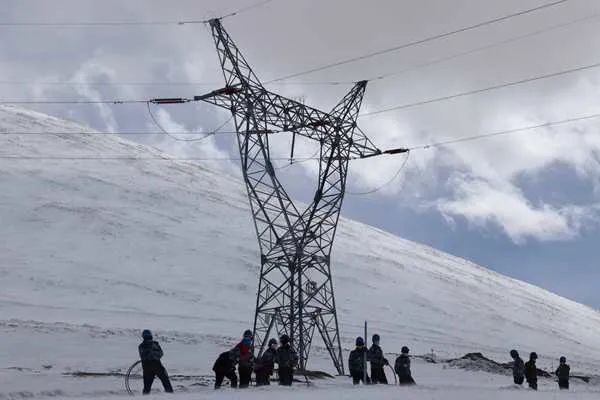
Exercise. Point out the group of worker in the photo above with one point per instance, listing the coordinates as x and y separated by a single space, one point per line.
263 367
357 362
241 356
528 371
286 358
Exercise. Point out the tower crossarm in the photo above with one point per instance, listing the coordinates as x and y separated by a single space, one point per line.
283 114
243 90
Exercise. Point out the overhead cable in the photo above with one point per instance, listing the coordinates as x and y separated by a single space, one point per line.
93 157
478 49
387 183
129 23
482 90
48 101
504 132
418 42
399 107
172 136
327 82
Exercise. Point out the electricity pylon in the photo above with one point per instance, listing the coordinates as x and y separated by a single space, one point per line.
295 292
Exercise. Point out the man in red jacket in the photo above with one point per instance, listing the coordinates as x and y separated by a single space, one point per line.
246 363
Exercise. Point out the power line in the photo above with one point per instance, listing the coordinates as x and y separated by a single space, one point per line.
299 160
418 42
478 49
123 133
421 147
470 139
504 132
248 8
115 102
302 159
403 106
449 57
294 161
368 114
387 183
130 23
96 24
116 83
309 83
206 136
164 83
329 83
482 90
139 101
130 158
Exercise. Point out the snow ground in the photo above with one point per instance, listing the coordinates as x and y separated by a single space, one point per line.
42 374
93 251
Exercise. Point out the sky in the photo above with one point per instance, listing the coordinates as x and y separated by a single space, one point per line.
526 204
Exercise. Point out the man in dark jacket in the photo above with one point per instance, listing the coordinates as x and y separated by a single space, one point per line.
265 365
150 354
357 361
402 368
378 361
518 368
246 363
531 371
224 367
286 359
563 372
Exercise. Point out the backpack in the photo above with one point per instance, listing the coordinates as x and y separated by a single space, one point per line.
519 367
402 366
150 351
563 372
375 356
356 361
530 371
225 362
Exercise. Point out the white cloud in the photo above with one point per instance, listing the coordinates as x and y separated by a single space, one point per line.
485 185
90 72
484 203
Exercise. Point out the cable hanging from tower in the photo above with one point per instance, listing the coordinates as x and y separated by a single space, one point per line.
379 77
417 42
426 146
385 110
132 23
172 135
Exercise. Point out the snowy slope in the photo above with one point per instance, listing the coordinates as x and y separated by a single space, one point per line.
107 247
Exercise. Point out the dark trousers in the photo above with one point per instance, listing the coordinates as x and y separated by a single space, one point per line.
286 376
378 375
563 384
358 377
154 369
245 376
263 378
519 380
532 384
220 375
406 380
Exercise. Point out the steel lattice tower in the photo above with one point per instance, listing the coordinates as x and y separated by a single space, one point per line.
295 293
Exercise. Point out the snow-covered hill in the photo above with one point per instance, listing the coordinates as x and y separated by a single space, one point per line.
93 250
